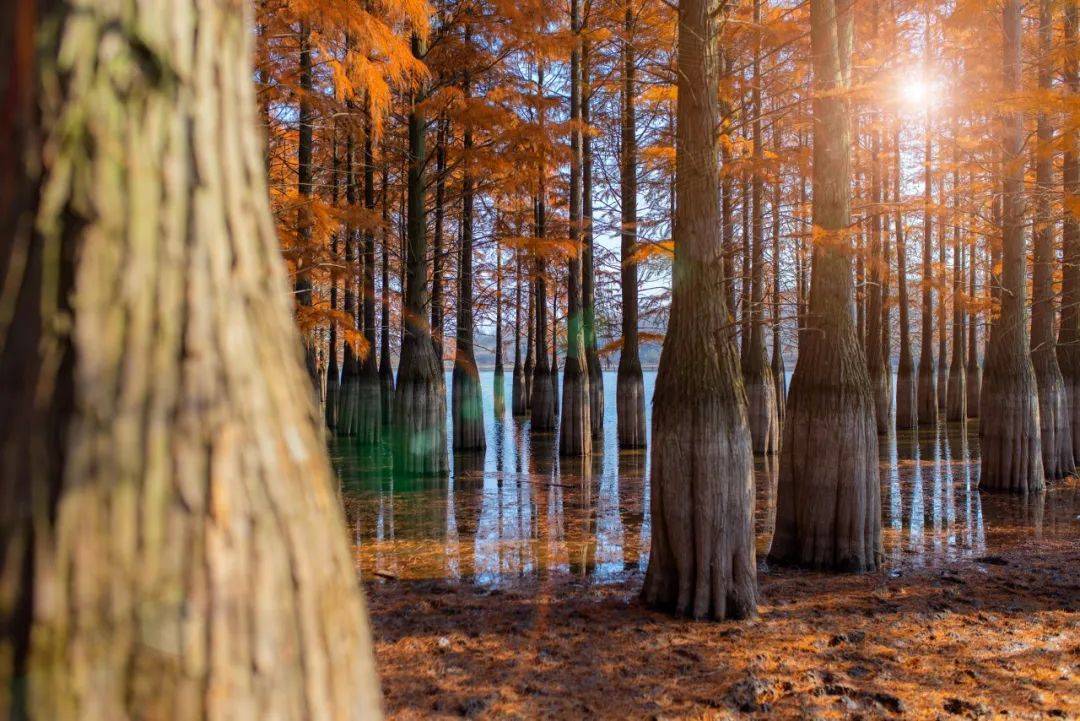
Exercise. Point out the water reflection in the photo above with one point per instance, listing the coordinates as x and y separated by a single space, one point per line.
519 511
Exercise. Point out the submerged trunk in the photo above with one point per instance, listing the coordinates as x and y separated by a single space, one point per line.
588 270
907 406
173 546
575 428
875 363
956 391
419 416
1011 448
630 386
702 562
518 401
1056 429
350 369
829 509
757 375
1068 348
467 397
541 395
499 392
927 393
368 408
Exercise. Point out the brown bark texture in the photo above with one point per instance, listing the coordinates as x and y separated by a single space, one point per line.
173 544
702 562
828 499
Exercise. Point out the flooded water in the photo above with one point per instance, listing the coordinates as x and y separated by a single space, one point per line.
519 511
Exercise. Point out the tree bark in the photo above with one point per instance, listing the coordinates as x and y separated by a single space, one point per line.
386 364
702 562
368 410
907 404
302 286
350 369
519 405
588 270
172 543
829 509
333 371
630 384
575 428
875 363
956 390
1009 422
973 373
542 396
467 397
1068 347
779 371
927 388
419 415
499 389
1055 426
438 303
757 374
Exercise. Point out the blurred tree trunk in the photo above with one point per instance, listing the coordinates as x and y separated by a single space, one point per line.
173 545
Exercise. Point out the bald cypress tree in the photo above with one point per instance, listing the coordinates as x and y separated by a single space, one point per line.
419 415
1011 448
702 562
828 498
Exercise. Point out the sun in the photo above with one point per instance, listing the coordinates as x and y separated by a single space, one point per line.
917 92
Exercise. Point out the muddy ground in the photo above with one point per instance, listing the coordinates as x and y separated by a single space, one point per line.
989 637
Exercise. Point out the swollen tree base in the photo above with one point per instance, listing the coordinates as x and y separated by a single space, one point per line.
703 561
761 410
467 404
907 404
418 438
518 405
367 411
1009 435
1054 422
575 426
829 507
630 408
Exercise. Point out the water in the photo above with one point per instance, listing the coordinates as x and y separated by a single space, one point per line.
522 512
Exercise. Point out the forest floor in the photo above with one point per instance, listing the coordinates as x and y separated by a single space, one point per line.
988 637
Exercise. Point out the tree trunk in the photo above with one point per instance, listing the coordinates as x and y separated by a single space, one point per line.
956 391
928 405
1068 348
333 372
779 372
467 396
386 364
419 416
588 270
350 370
438 303
630 385
1009 421
499 389
172 543
1055 426
829 509
973 373
702 562
369 391
302 287
519 405
875 363
907 405
757 375
542 397
942 317
575 428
